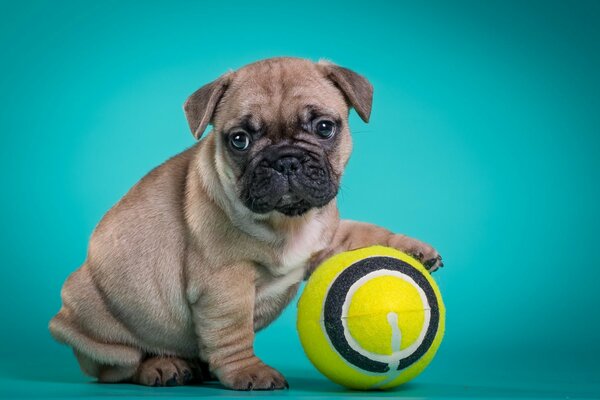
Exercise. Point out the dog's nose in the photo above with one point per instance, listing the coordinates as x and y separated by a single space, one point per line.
287 165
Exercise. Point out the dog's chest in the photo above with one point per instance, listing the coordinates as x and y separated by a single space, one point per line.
290 266
299 246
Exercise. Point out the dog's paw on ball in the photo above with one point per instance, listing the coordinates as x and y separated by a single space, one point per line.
420 251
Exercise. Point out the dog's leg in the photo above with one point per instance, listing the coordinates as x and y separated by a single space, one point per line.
154 371
224 324
350 235
106 373
108 362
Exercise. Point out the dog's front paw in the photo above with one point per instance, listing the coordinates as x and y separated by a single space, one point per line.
255 377
422 252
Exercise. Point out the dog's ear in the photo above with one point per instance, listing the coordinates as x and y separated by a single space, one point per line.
200 106
356 88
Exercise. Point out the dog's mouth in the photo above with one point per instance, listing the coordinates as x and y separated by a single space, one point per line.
292 207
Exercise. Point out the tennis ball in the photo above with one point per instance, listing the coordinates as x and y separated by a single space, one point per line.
371 318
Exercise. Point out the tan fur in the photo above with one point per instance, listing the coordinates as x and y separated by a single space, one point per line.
180 269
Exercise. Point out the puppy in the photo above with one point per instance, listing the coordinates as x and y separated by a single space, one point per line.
210 246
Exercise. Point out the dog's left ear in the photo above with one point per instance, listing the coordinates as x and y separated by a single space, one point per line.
356 88
200 106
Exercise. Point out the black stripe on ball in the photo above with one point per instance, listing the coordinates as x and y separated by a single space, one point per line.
335 300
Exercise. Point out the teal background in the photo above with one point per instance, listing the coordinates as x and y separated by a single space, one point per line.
484 141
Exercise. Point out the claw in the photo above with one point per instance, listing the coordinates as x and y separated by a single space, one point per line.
187 376
431 263
172 381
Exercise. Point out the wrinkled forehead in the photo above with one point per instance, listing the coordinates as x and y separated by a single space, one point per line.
276 93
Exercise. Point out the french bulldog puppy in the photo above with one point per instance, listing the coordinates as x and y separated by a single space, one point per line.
210 246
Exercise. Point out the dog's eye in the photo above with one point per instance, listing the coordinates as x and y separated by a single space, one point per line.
325 128
239 140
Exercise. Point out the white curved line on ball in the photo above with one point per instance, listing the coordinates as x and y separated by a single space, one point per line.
393 359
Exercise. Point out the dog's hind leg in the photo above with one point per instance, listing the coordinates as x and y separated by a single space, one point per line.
104 372
152 371
103 345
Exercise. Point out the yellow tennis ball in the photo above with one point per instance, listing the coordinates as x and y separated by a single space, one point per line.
371 318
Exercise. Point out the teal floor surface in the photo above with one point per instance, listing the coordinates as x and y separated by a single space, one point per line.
45 381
